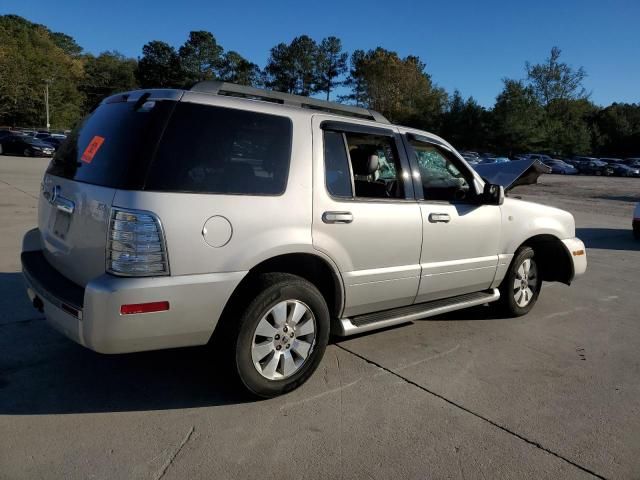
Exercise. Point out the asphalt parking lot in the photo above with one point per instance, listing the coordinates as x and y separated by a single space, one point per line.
555 394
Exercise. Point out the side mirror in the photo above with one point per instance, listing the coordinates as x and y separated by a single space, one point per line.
493 194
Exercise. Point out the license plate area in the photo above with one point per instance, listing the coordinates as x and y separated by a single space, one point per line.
61 224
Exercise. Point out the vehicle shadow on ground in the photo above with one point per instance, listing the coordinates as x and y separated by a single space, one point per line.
621 198
42 372
608 238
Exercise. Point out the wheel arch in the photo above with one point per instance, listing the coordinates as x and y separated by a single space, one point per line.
552 257
315 268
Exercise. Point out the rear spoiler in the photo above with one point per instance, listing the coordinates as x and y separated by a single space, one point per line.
514 173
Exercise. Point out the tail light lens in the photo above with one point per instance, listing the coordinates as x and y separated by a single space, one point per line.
136 245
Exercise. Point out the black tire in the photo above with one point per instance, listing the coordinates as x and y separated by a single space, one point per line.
270 289
27 152
636 233
509 294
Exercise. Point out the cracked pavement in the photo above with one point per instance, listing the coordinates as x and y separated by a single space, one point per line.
555 394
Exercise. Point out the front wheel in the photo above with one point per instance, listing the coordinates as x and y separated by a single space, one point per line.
282 335
27 152
522 284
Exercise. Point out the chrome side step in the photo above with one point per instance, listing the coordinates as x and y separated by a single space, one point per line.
396 316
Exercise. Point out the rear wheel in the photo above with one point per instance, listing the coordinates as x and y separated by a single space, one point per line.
281 336
521 286
27 152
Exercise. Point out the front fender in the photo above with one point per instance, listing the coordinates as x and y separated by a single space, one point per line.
524 220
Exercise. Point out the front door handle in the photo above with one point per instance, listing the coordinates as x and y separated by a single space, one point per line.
439 218
337 217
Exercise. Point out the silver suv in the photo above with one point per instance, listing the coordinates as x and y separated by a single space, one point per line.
266 222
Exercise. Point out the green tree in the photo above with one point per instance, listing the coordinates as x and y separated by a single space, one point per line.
555 80
465 123
106 74
558 88
616 130
565 127
159 66
516 119
292 68
237 69
29 57
200 57
331 64
66 43
397 87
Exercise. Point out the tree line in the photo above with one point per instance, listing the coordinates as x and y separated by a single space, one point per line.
547 110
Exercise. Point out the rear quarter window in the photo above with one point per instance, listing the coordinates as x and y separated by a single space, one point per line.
207 149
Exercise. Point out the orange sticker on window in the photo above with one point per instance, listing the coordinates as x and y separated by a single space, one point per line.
93 147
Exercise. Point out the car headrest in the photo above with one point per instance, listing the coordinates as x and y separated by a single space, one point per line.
364 161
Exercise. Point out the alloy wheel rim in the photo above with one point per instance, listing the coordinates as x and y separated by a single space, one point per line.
525 283
283 340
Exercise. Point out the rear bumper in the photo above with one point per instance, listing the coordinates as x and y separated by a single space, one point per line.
195 305
578 254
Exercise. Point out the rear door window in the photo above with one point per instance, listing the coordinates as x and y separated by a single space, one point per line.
207 149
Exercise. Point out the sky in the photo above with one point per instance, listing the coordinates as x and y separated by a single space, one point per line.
469 45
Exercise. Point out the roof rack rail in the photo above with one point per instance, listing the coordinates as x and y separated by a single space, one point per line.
231 89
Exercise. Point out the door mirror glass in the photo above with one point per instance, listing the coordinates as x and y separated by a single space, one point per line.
493 194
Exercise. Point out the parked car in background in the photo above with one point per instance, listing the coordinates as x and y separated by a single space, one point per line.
472 157
612 160
560 167
54 141
537 156
636 222
622 170
25 145
471 160
5 133
591 166
495 160
632 162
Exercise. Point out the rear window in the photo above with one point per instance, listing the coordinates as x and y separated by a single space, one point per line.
208 149
114 146
178 147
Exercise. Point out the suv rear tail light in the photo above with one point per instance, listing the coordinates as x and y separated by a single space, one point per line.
136 245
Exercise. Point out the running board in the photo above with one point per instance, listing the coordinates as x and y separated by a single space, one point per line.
396 316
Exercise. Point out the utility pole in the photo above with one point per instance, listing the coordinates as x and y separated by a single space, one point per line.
46 101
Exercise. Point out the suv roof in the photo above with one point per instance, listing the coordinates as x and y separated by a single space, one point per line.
215 87
233 90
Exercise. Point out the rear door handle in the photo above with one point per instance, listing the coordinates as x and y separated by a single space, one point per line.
439 218
337 217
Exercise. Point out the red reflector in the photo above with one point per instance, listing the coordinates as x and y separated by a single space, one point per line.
144 308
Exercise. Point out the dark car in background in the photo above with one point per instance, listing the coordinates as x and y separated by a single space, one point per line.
25 145
560 167
53 139
632 162
611 161
536 156
623 170
591 166
494 160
